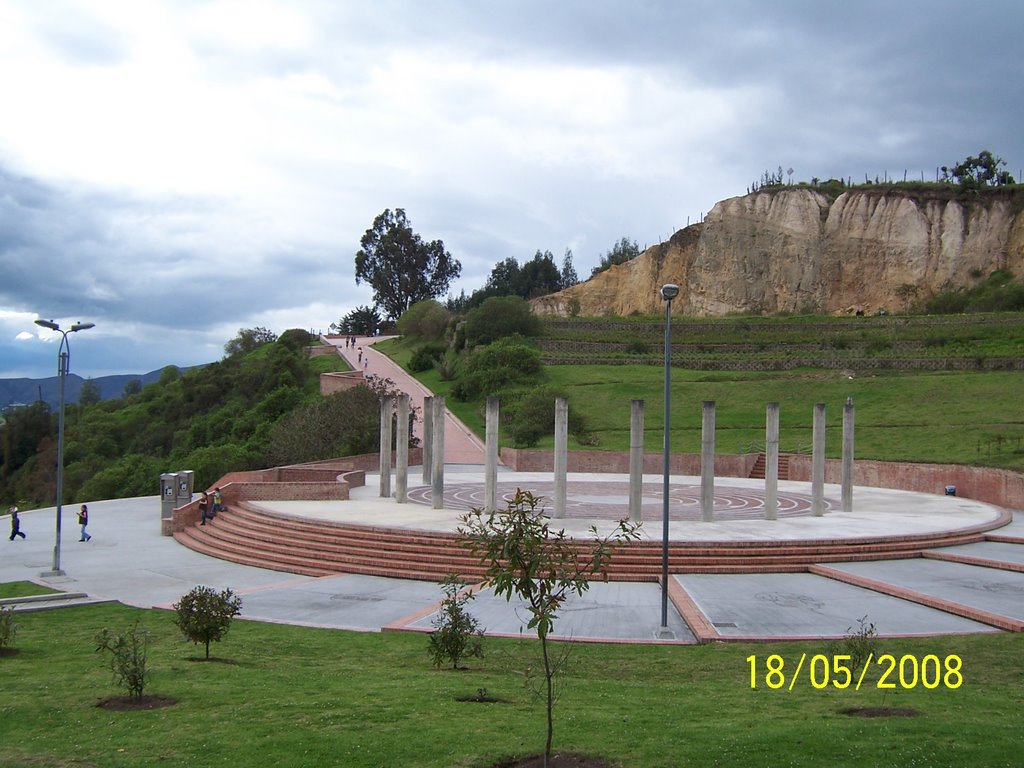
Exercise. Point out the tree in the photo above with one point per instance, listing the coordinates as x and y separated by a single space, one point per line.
569 276
248 339
133 387
501 316
361 321
623 251
129 654
525 559
400 267
426 320
980 171
457 634
906 293
89 394
204 615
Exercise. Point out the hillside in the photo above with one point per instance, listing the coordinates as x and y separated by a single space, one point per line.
22 391
801 250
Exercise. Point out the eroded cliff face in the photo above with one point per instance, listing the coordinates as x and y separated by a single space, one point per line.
795 251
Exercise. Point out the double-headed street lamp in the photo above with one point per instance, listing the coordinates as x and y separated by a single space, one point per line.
63 364
668 292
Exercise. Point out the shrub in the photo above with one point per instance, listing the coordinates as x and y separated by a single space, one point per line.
424 319
8 629
501 316
489 369
457 634
426 357
128 657
530 417
204 616
295 338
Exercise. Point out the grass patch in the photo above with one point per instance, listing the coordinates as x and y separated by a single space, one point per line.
24 589
299 697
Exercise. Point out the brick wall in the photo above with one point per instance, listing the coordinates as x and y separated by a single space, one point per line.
340 381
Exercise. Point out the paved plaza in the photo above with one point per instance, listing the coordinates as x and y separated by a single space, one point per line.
129 561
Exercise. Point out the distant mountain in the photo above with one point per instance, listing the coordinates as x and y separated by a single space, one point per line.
25 391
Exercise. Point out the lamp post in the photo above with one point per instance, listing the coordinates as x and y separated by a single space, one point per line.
63 364
668 292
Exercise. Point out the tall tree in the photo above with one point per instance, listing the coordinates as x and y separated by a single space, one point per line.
569 276
400 267
624 250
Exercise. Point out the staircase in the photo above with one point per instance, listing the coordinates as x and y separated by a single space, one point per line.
251 536
760 467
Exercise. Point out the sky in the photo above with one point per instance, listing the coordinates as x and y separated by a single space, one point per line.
176 170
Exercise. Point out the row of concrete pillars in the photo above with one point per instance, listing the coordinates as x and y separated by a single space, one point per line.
433 447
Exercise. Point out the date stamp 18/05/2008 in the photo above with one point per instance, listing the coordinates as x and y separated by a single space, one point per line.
838 671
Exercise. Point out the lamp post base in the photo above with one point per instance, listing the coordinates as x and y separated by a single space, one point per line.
664 633
52 574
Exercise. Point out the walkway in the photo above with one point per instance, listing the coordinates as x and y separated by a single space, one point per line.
461 446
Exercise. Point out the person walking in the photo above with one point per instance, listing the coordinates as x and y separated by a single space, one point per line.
204 508
83 520
15 523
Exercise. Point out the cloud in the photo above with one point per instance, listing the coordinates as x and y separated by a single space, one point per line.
174 171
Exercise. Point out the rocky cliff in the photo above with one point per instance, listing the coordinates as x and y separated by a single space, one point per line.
796 250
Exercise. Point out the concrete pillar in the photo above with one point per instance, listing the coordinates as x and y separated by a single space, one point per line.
387 407
707 462
402 450
636 460
491 458
818 461
437 470
428 438
771 469
848 455
561 454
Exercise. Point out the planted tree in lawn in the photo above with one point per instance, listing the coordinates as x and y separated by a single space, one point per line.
128 662
204 615
525 558
457 634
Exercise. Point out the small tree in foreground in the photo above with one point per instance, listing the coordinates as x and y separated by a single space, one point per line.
524 557
128 657
204 615
457 634
8 629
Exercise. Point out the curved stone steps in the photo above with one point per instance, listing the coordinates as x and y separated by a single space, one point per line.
266 539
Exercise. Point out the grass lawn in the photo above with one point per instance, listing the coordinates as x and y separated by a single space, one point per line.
942 417
23 589
294 696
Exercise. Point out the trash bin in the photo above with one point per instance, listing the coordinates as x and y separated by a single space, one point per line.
951 490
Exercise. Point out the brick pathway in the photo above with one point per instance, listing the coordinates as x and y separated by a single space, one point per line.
461 446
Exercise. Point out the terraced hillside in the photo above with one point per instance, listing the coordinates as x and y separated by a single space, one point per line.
960 342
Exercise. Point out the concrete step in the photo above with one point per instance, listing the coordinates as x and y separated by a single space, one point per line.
32 603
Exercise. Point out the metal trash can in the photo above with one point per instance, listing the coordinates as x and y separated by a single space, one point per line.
951 490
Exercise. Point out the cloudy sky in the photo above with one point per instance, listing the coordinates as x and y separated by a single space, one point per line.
174 170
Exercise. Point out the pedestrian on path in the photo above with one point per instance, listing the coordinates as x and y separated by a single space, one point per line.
204 508
15 523
360 358
83 520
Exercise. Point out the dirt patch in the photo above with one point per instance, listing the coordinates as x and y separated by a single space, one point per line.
4 652
211 660
880 712
131 704
558 760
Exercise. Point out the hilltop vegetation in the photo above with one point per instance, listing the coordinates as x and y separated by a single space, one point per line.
212 420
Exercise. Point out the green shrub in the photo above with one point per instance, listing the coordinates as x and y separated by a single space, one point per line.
204 615
457 634
530 416
425 320
488 370
8 629
501 316
426 357
128 657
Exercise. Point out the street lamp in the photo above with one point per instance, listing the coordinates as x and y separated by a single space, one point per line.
668 292
63 364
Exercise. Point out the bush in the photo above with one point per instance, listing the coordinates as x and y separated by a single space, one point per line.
427 356
531 416
424 320
8 629
129 655
489 369
457 634
498 317
204 616
296 338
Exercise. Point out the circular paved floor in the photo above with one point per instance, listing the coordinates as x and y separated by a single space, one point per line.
610 500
